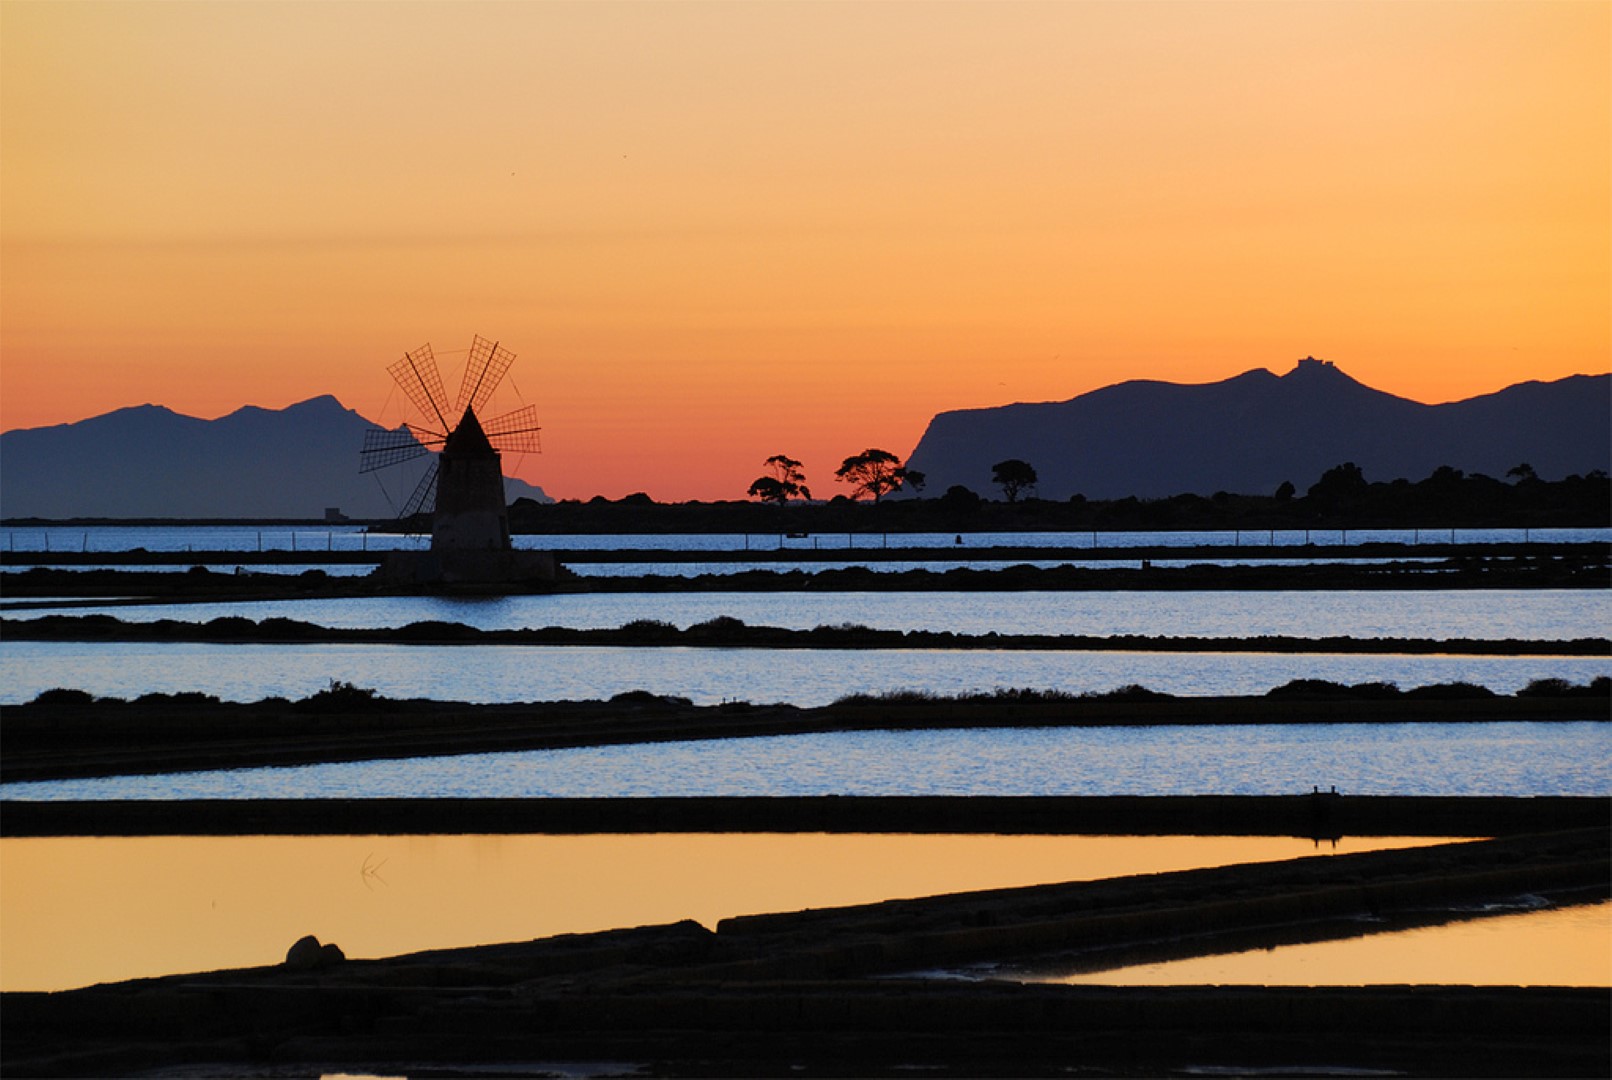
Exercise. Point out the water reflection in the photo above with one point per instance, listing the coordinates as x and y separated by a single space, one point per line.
1565 946
1517 759
79 910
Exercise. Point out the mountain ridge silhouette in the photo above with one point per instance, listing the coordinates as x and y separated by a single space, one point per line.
1251 432
148 461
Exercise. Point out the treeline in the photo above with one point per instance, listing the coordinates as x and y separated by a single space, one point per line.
1342 499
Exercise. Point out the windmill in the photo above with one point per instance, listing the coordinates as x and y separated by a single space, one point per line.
465 484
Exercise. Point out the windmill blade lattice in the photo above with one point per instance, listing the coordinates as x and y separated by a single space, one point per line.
417 376
425 493
383 447
484 370
515 432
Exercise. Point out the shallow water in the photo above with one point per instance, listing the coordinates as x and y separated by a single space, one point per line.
1252 759
80 910
1528 614
1565 946
710 676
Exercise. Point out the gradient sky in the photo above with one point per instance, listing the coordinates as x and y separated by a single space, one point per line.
715 232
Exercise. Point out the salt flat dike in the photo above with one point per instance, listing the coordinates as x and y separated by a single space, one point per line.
221 575
69 733
727 632
841 991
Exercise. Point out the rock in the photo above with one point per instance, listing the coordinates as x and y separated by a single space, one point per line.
307 954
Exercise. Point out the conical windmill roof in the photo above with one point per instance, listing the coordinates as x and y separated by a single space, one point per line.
468 439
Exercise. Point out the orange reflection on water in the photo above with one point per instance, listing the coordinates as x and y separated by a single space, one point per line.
80 910
1566 946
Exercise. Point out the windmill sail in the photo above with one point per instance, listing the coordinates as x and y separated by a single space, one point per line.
417 376
483 372
424 493
514 432
383 447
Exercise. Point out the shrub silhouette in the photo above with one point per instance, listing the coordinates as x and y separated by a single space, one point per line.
1455 691
62 696
341 697
1600 686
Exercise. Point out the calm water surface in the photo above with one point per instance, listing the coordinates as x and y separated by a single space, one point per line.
1566 946
1254 759
710 676
1530 614
81 910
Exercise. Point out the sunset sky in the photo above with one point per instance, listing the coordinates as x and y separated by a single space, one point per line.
712 232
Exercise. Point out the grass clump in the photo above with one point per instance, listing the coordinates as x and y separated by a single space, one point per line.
1128 692
1002 696
893 697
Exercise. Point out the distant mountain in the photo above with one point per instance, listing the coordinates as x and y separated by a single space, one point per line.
1248 434
151 462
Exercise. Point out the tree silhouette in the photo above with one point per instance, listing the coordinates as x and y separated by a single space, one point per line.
875 472
786 482
1340 481
1524 473
1446 475
1013 476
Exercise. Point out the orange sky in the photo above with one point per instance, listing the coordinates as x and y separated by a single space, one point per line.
715 232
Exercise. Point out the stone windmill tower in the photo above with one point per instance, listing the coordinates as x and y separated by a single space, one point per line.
470 514
465 484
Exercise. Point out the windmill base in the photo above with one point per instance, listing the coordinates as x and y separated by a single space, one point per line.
466 568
